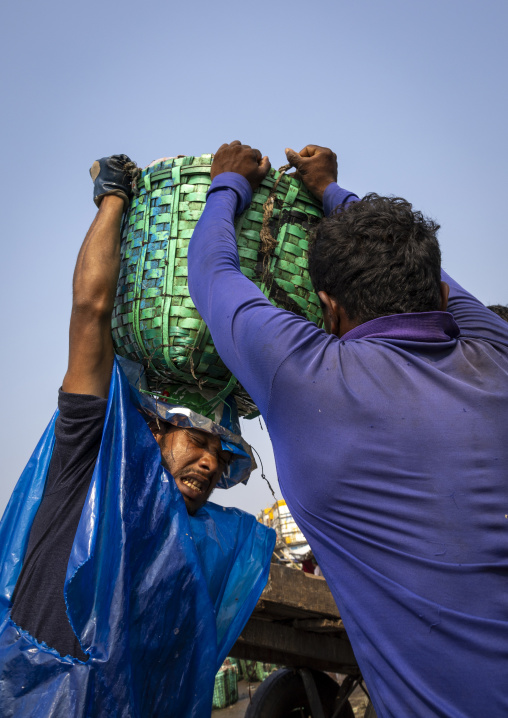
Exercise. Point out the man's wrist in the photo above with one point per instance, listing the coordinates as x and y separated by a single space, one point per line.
238 183
113 202
116 175
335 196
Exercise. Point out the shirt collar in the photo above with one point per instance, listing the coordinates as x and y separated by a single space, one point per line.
416 327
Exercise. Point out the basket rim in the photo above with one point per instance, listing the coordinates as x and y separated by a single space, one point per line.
187 168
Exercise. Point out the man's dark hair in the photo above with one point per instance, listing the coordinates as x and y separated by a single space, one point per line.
377 257
500 310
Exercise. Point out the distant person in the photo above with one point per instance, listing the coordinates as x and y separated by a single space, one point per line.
500 310
389 428
114 601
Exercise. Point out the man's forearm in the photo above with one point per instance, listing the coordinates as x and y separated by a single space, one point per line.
213 249
98 264
94 288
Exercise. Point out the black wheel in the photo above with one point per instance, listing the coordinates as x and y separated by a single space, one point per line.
282 695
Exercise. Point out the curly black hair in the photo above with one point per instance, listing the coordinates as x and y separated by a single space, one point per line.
377 257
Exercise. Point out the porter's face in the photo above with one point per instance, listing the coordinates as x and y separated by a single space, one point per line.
196 460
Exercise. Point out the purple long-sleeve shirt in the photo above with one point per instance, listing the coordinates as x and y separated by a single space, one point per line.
392 454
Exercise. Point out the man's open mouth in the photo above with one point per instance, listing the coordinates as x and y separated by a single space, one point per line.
194 484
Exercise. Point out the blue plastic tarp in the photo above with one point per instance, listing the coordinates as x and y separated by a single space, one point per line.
156 597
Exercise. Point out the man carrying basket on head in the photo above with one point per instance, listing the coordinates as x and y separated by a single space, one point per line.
389 432
121 588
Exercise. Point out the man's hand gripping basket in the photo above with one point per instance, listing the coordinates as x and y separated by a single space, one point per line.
154 319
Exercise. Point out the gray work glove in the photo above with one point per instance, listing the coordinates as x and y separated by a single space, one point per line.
116 175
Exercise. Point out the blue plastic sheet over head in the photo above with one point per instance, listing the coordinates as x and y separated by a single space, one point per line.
156 597
224 421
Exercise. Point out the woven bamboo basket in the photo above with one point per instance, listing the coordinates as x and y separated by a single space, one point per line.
225 690
154 319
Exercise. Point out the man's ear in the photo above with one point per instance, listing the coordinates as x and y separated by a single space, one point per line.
445 291
157 428
331 313
335 316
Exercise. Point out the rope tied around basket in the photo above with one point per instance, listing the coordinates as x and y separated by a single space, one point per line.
133 173
268 241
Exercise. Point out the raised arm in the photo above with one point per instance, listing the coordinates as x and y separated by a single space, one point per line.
473 317
95 278
251 335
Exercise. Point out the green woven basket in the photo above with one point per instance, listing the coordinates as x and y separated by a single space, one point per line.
154 319
225 690
253 671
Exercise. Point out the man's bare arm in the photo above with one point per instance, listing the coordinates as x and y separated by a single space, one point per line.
91 351
94 286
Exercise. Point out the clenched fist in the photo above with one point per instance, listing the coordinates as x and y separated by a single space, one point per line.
242 159
316 167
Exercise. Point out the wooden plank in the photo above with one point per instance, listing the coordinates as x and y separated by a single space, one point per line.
291 593
319 625
296 623
280 644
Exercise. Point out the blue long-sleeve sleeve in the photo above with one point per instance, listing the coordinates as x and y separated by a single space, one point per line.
473 317
335 197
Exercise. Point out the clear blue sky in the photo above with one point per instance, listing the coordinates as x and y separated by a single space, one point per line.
411 95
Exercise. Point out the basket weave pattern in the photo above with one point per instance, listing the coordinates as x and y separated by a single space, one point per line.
154 319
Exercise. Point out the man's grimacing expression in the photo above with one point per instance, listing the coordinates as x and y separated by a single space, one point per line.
195 459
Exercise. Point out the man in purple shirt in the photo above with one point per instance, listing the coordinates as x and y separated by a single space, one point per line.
389 433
